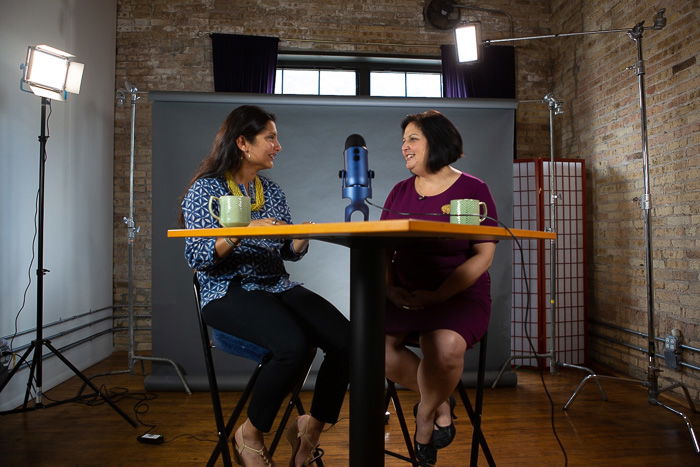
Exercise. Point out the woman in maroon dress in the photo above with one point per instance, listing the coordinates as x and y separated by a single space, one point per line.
439 290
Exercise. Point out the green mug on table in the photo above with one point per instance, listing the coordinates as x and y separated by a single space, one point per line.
234 211
467 211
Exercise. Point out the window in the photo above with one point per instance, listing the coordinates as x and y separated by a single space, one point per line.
315 82
383 83
342 75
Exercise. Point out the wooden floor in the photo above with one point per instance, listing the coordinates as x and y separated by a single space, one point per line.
625 430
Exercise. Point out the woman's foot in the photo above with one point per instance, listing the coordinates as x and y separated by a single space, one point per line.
248 447
303 436
444 431
423 438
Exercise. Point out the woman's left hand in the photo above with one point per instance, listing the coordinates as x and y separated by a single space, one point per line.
426 298
300 244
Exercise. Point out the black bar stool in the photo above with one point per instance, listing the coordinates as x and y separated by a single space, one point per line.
474 413
241 348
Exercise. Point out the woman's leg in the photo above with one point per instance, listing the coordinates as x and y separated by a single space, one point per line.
329 330
438 374
400 364
262 318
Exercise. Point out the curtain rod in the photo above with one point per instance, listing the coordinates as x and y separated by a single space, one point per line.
327 41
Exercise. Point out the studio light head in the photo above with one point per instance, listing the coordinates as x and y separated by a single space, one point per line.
52 73
468 40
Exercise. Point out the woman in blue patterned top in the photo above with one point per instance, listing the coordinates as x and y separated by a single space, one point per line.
246 290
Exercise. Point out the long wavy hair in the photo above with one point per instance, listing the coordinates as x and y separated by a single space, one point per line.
225 156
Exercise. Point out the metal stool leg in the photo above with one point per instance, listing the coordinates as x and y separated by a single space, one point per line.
474 414
235 415
294 401
392 395
222 446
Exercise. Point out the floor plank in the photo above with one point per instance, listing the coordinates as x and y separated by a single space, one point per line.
625 430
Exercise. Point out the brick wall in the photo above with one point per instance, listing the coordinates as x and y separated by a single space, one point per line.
164 45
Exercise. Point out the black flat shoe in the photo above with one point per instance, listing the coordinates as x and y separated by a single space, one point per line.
444 435
425 453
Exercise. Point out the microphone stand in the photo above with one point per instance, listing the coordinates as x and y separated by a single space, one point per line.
37 345
132 230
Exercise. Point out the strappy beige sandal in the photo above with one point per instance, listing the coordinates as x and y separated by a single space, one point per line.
295 438
238 450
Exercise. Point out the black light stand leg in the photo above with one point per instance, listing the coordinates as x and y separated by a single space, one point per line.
35 372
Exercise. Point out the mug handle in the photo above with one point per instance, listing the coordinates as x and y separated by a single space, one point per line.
211 211
486 211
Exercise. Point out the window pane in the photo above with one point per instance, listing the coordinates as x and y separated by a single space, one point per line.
300 82
387 84
423 85
338 83
278 81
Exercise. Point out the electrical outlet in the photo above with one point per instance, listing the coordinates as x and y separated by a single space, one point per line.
672 349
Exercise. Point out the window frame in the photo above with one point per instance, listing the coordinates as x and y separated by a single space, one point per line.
362 64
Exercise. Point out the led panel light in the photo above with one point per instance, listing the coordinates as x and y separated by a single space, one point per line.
51 73
468 40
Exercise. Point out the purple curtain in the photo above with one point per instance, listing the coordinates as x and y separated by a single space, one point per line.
491 77
244 63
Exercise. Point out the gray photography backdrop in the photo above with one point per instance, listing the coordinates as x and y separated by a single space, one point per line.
312 132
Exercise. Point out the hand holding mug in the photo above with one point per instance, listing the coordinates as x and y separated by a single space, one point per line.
234 211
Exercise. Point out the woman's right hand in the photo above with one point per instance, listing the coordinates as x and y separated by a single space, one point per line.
402 298
265 222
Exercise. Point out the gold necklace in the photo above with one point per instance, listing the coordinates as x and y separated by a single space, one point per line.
258 189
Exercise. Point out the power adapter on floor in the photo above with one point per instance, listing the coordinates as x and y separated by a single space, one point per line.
150 438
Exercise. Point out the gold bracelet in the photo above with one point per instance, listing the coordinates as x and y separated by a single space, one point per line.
230 242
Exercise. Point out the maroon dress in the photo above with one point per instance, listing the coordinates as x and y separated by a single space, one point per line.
425 264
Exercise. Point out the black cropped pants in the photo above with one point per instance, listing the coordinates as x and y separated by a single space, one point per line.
289 324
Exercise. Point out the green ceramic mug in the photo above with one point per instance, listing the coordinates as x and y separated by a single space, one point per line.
467 211
234 211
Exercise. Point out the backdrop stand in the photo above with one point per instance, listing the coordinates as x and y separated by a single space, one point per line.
37 345
132 230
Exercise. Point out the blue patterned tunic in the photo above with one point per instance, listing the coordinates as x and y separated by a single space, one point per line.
257 262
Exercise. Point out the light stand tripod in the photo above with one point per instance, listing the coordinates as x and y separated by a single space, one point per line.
132 230
555 108
652 380
37 345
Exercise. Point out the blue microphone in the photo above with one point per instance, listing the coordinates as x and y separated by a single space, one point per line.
356 176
